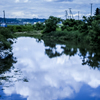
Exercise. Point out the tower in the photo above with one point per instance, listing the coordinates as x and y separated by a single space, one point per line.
4 16
66 15
78 15
71 14
91 8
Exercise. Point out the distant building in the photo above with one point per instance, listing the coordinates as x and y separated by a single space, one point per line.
26 23
39 21
35 22
3 25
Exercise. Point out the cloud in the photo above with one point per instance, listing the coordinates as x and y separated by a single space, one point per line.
25 0
34 15
18 14
59 0
16 1
63 0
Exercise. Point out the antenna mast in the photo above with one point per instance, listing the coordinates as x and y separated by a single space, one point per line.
91 8
78 15
4 15
71 15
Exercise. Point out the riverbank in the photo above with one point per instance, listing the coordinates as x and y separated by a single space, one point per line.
34 33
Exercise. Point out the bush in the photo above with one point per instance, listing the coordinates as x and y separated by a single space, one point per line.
38 26
20 28
95 32
51 24
5 42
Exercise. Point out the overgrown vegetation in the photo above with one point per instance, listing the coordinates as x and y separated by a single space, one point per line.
20 28
51 24
6 55
5 42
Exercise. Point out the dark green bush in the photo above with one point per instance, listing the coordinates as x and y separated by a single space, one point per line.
38 26
51 24
5 41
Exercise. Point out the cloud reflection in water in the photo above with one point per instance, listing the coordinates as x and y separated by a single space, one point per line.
49 79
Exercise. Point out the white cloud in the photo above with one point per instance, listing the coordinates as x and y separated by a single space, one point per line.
21 1
16 1
49 0
25 0
18 14
34 15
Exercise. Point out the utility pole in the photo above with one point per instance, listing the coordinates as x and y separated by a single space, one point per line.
4 15
70 13
66 15
91 8
78 15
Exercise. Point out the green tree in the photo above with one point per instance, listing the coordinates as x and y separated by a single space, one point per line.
97 12
94 33
5 42
51 24
70 24
38 26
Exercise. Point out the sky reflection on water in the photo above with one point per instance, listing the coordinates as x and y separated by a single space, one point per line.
37 77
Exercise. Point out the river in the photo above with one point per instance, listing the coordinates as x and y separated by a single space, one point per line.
50 71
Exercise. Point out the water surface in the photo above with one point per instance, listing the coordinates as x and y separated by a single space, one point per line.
50 72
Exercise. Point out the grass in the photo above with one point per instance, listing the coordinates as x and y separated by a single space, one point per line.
58 29
36 34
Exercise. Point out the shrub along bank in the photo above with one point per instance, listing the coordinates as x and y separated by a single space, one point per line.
6 37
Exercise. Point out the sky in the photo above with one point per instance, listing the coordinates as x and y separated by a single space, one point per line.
46 8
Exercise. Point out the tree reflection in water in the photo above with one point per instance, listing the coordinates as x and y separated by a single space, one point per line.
5 65
89 55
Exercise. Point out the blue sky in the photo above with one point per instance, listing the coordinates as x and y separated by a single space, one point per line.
46 8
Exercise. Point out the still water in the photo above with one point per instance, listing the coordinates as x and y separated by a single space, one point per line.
46 71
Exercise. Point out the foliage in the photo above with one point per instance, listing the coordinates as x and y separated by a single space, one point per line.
83 28
94 33
20 28
51 24
71 24
5 41
6 63
97 12
38 26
